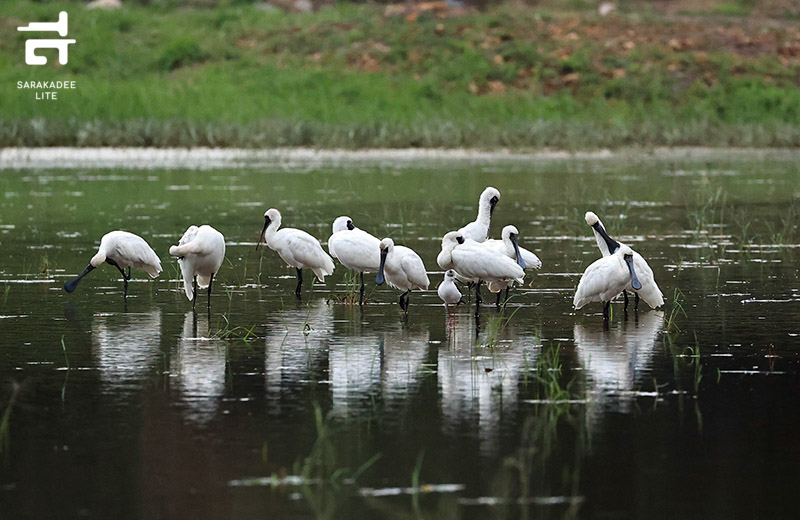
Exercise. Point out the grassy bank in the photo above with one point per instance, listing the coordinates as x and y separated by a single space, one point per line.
367 76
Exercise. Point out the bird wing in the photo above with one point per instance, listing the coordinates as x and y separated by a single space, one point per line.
531 260
137 253
358 251
479 262
307 252
187 271
414 267
596 282
498 246
650 291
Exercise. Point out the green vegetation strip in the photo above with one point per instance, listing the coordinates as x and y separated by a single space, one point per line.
355 76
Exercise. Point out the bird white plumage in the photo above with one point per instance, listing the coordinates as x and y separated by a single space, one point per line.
355 249
402 268
128 250
606 278
200 252
448 291
295 247
478 230
476 261
122 249
650 292
509 246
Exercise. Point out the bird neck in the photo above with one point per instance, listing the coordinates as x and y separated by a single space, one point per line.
603 240
98 259
484 213
509 246
273 227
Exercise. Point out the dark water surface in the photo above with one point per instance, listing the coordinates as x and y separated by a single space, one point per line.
331 411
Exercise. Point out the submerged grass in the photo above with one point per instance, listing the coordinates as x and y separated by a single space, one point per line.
553 443
352 287
227 331
5 422
324 475
351 76
496 325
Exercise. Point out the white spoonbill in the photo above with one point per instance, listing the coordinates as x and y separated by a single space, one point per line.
295 247
607 245
121 249
606 278
200 253
509 246
448 291
402 268
476 262
355 249
478 230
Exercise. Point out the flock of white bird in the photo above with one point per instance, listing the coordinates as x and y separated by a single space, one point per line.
467 256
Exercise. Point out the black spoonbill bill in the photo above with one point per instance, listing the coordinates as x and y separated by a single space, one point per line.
606 278
296 247
121 249
477 262
355 249
478 230
402 268
649 292
200 253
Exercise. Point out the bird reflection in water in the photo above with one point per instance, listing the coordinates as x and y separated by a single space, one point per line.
479 378
616 361
296 345
127 347
365 364
199 363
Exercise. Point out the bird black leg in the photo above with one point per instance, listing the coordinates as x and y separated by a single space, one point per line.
507 288
208 308
299 283
404 301
625 294
636 301
477 298
194 291
125 277
606 309
497 303
361 291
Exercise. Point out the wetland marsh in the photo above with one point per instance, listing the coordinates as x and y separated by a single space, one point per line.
271 407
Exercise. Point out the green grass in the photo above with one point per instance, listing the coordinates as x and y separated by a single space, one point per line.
350 77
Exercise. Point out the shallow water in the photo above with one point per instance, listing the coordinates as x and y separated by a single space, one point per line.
326 410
